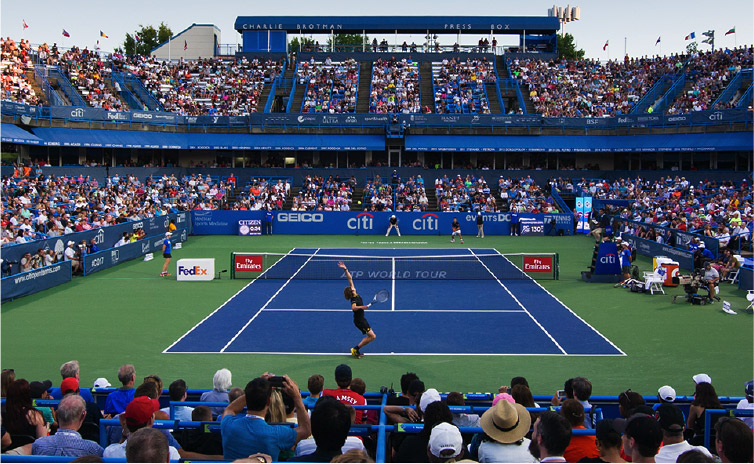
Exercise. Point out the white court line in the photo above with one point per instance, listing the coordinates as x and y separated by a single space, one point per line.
519 303
392 288
277 353
226 302
268 301
571 311
403 310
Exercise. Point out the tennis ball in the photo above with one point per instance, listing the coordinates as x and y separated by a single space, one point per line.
359 202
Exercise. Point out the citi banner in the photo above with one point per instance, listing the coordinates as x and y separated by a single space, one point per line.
375 223
35 281
104 259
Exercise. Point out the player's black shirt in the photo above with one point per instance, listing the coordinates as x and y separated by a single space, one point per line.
359 313
480 219
393 221
455 225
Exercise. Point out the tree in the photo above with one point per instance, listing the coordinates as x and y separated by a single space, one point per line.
567 48
294 46
349 42
692 48
149 37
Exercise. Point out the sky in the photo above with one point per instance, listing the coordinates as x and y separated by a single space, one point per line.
633 27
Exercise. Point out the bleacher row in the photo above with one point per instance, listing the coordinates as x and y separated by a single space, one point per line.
570 88
380 434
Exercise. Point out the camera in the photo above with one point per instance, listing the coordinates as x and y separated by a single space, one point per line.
387 391
276 381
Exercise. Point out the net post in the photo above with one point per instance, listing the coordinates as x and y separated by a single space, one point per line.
232 265
557 266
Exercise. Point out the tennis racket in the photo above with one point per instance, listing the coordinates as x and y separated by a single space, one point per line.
380 297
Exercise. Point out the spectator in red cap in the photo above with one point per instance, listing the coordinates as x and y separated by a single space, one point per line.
138 414
90 428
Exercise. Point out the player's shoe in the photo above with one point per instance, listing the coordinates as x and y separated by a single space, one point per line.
452 240
162 274
356 353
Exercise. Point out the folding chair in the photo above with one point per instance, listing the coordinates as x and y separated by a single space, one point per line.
653 282
733 276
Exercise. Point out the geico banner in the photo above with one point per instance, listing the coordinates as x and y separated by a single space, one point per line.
104 237
646 247
369 222
110 257
37 280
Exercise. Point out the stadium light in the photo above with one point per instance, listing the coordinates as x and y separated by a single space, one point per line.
565 15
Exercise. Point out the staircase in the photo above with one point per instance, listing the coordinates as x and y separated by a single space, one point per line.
356 197
425 86
527 100
298 98
491 89
365 84
431 199
58 90
289 200
264 95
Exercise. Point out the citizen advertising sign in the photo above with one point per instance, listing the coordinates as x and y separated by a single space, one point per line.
537 263
250 227
248 263
195 270
531 226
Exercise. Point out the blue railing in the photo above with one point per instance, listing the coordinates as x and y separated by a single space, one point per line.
271 96
497 89
40 74
125 94
671 94
657 90
65 85
293 90
141 92
745 100
730 90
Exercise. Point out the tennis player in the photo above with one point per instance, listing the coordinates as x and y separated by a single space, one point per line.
393 225
358 307
456 231
166 248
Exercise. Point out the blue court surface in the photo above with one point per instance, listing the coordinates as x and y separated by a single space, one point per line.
471 306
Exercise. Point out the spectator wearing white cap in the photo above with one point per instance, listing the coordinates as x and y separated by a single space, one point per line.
445 443
70 255
665 394
393 225
414 447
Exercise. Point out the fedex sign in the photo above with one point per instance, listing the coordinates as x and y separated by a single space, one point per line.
196 269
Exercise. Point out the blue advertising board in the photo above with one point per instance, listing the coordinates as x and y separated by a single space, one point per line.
104 237
651 248
372 223
608 262
35 281
112 256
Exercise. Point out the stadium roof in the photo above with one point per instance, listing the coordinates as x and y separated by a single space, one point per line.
401 24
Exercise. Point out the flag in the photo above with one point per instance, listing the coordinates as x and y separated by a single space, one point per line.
607 42
185 45
690 36
26 26
658 40
65 33
731 31
136 36
102 34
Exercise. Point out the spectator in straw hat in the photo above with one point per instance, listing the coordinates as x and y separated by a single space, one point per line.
505 426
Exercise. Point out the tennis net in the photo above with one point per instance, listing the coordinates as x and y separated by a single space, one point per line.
514 266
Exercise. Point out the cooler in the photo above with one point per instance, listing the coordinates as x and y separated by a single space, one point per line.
671 274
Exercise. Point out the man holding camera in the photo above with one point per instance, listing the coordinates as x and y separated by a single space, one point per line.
244 435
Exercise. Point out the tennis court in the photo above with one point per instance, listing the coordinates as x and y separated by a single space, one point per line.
444 302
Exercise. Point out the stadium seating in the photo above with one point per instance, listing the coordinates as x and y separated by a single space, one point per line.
331 87
16 70
459 86
395 87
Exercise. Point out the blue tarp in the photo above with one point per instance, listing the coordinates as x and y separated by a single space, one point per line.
144 139
728 141
14 134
